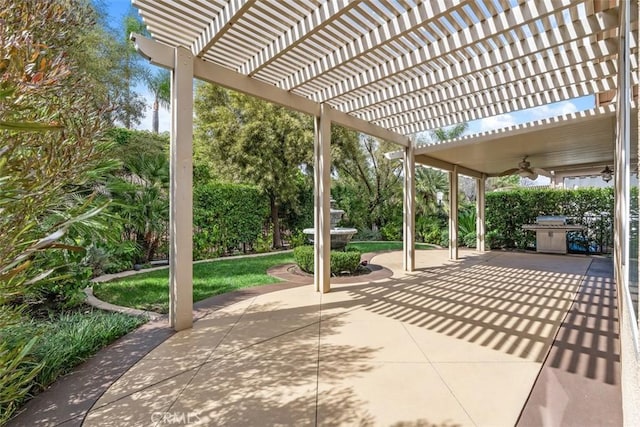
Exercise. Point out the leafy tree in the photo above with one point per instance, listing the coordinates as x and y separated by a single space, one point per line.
106 56
247 140
368 187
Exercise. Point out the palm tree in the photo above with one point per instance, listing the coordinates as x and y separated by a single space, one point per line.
430 182
160 86
442 134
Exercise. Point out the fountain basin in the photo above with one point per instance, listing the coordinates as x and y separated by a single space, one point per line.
340 236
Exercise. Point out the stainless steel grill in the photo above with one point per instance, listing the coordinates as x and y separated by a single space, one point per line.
551 233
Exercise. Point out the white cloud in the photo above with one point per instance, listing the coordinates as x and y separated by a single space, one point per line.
552 110
491 123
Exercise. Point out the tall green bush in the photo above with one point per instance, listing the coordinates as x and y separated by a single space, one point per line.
227 217
507 211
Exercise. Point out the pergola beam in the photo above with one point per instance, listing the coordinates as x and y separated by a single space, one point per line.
294 36
385 33
471 100
453 214
444 48
322 195
409 209
181 193
507 69
219 25
443 165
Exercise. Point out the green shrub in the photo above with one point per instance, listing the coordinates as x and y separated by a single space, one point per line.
391 231
470 240
303 255
297 239
430 229
347 261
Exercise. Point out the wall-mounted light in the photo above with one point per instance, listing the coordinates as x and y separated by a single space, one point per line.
439 196
606 174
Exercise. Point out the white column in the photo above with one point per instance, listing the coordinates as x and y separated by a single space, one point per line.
409 209
181 193
453 213
622 155
322 195
480 220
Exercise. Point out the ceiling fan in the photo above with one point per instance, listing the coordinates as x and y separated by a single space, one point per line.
525 170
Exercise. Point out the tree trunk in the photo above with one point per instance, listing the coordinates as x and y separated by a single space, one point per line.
155 119
275 221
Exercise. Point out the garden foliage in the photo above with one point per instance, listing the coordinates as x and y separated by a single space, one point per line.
507 211
227 217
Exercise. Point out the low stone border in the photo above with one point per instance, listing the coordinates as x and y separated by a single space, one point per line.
98 303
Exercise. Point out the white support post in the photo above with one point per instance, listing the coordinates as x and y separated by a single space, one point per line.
322 195
480 220
453 213
181 193
409 209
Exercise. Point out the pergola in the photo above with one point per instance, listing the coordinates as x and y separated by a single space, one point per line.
394 68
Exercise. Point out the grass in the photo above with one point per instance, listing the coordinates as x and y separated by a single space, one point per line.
63 341
384 246
150 291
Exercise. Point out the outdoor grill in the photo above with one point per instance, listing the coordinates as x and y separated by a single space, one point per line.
551 233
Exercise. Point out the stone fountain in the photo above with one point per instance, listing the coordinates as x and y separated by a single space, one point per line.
340 236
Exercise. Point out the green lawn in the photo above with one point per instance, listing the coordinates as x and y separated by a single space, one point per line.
150 291
384 246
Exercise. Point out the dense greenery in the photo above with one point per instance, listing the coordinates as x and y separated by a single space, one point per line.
507 211
227 217
59 92
150 290
65 340
369 188
244 139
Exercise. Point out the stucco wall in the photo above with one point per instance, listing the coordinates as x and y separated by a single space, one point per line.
630 370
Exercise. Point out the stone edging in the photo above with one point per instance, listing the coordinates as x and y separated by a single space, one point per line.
98 303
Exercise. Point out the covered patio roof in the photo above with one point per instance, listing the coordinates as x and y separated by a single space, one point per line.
573 142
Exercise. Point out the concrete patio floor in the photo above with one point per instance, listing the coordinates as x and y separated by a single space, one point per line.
491 340
452 344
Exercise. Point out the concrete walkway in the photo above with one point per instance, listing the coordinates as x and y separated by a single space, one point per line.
453 344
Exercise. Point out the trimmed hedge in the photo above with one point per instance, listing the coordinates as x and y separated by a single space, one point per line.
347 261
507 211
226 217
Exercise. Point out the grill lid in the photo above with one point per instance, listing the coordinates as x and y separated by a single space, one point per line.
551 220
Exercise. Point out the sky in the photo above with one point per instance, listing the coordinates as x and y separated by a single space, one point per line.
117 9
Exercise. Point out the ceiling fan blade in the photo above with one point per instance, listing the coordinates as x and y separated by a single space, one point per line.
527 173
508 172
542 172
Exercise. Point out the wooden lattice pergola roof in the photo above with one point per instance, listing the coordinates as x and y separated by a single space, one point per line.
393 68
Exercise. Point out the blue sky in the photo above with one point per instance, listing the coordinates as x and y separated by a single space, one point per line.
117 9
